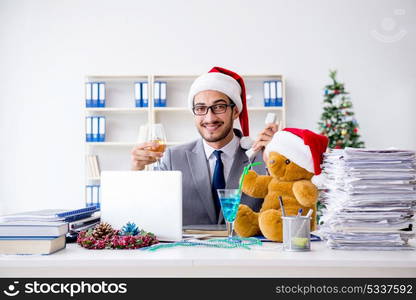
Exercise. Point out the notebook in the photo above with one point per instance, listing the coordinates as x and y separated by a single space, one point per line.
51 215
32 245
24 229
150 199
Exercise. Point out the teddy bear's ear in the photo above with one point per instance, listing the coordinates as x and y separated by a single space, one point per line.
319 180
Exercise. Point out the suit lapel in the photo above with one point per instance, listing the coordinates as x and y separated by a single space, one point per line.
200 175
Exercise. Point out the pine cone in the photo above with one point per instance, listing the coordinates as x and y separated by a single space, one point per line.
102 230
129 229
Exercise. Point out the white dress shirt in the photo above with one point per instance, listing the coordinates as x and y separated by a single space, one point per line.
227 156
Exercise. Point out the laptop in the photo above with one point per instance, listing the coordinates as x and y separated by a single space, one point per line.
150 199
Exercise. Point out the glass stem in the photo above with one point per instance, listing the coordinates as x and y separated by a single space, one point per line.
230 229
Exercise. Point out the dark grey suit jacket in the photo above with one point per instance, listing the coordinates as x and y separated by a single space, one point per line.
198 202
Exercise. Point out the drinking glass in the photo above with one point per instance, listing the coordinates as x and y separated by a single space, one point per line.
157 135
230 200
154 133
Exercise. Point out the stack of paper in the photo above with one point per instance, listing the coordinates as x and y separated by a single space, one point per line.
370 198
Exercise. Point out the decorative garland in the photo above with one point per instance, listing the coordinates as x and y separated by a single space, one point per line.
245 243
128 238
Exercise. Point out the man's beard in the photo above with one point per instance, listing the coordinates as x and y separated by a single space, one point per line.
224 134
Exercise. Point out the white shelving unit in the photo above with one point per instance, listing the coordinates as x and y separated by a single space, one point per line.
123 119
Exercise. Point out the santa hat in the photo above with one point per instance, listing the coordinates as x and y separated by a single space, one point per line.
228 83
302 146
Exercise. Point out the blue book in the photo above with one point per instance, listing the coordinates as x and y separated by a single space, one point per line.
50 215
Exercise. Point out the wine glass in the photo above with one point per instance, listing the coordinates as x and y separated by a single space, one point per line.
153 133
230 200
156 134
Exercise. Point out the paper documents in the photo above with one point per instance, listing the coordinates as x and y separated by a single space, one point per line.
370 198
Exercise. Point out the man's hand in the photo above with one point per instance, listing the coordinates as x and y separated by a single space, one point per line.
265 137
142 155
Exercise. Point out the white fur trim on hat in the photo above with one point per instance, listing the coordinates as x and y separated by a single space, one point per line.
218 82
293 147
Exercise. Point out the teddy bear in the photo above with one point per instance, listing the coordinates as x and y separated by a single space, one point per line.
293 157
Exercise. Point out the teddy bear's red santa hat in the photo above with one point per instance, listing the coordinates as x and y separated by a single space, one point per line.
302 146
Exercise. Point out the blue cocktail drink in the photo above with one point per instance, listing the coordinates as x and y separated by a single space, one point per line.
230 200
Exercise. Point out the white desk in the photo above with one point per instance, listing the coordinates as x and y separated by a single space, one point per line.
267 261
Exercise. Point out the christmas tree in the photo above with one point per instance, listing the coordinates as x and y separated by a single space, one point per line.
337 120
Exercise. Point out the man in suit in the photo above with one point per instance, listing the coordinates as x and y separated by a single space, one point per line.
216 99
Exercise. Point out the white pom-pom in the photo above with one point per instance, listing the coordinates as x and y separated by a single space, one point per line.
319 181
246 142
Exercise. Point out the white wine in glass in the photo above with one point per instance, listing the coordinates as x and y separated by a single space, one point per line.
156 134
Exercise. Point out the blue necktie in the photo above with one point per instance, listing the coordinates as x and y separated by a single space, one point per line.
218 181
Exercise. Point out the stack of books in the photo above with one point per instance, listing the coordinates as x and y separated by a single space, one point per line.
43 231
370 199
209 230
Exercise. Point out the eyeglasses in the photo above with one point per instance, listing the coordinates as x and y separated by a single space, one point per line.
202 110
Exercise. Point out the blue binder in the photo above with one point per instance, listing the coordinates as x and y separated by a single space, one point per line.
145 94
101 129
156 94
273 96
279 93
95 89
95 129
138 94
266 93
88 126
88 94
101 94
163 85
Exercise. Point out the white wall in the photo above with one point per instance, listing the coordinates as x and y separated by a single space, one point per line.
46 47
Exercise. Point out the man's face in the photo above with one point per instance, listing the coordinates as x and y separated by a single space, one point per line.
214 127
